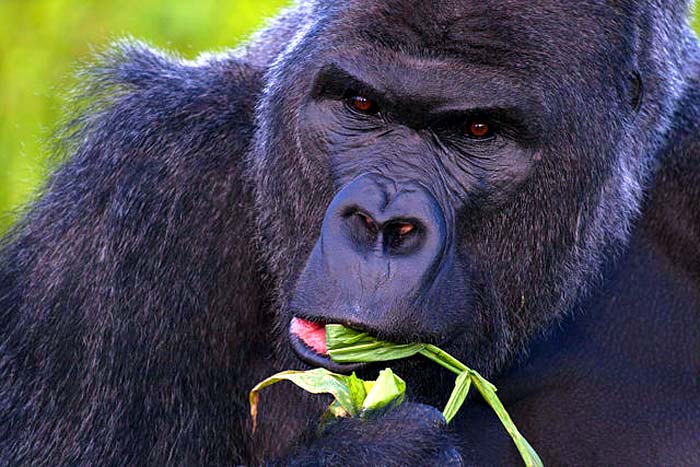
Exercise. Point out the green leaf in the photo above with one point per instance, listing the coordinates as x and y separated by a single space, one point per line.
387 388
349 346
444 359
488 392
357 390
335 410
353 396
346 345
317 381
458 396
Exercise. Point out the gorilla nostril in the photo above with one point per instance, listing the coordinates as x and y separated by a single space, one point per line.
364 219
361 227
367 220
401 237
400 229
405 228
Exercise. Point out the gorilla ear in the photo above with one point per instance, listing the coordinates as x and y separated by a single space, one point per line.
636 90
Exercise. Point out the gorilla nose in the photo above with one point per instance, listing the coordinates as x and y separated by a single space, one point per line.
379 232
383 262
375 216
395 236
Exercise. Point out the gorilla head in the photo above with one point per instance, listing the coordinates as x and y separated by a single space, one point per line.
454 178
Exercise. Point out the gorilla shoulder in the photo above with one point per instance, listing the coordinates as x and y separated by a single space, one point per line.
122 278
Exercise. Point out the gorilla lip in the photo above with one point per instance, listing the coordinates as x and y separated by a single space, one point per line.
311 334
309 342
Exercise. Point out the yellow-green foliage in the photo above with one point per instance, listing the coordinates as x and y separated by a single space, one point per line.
43 41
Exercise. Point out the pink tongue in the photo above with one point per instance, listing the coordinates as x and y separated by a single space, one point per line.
312 334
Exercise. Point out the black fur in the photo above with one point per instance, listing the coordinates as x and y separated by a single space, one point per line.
152 283
117 285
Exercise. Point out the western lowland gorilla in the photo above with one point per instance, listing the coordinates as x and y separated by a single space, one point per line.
515 181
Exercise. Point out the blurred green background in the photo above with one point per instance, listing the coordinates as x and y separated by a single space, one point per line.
43 41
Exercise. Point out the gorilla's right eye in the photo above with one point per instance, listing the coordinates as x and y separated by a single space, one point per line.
362 104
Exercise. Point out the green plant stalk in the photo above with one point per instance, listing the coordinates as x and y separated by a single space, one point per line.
458 396
359 347
488 392
443 359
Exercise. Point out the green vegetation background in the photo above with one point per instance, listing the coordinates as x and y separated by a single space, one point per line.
42 42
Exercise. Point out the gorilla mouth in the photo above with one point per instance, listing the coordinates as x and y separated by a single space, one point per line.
309 342
311 334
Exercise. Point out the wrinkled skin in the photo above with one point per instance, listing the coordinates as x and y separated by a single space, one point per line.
204 205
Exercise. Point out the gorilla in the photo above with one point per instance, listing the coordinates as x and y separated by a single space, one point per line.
515 181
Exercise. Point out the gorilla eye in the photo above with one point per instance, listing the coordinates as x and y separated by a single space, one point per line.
362 104
478 128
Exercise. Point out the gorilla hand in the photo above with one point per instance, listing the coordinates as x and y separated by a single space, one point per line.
411 434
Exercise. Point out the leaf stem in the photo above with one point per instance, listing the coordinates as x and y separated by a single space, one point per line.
443 359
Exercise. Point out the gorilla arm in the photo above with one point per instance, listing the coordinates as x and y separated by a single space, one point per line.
411 434
128 283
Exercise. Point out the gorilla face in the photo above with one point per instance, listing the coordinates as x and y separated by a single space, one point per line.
465 170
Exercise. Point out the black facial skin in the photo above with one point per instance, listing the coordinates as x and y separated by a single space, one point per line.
514 181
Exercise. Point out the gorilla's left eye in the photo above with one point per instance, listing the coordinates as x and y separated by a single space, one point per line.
478 128
362 104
